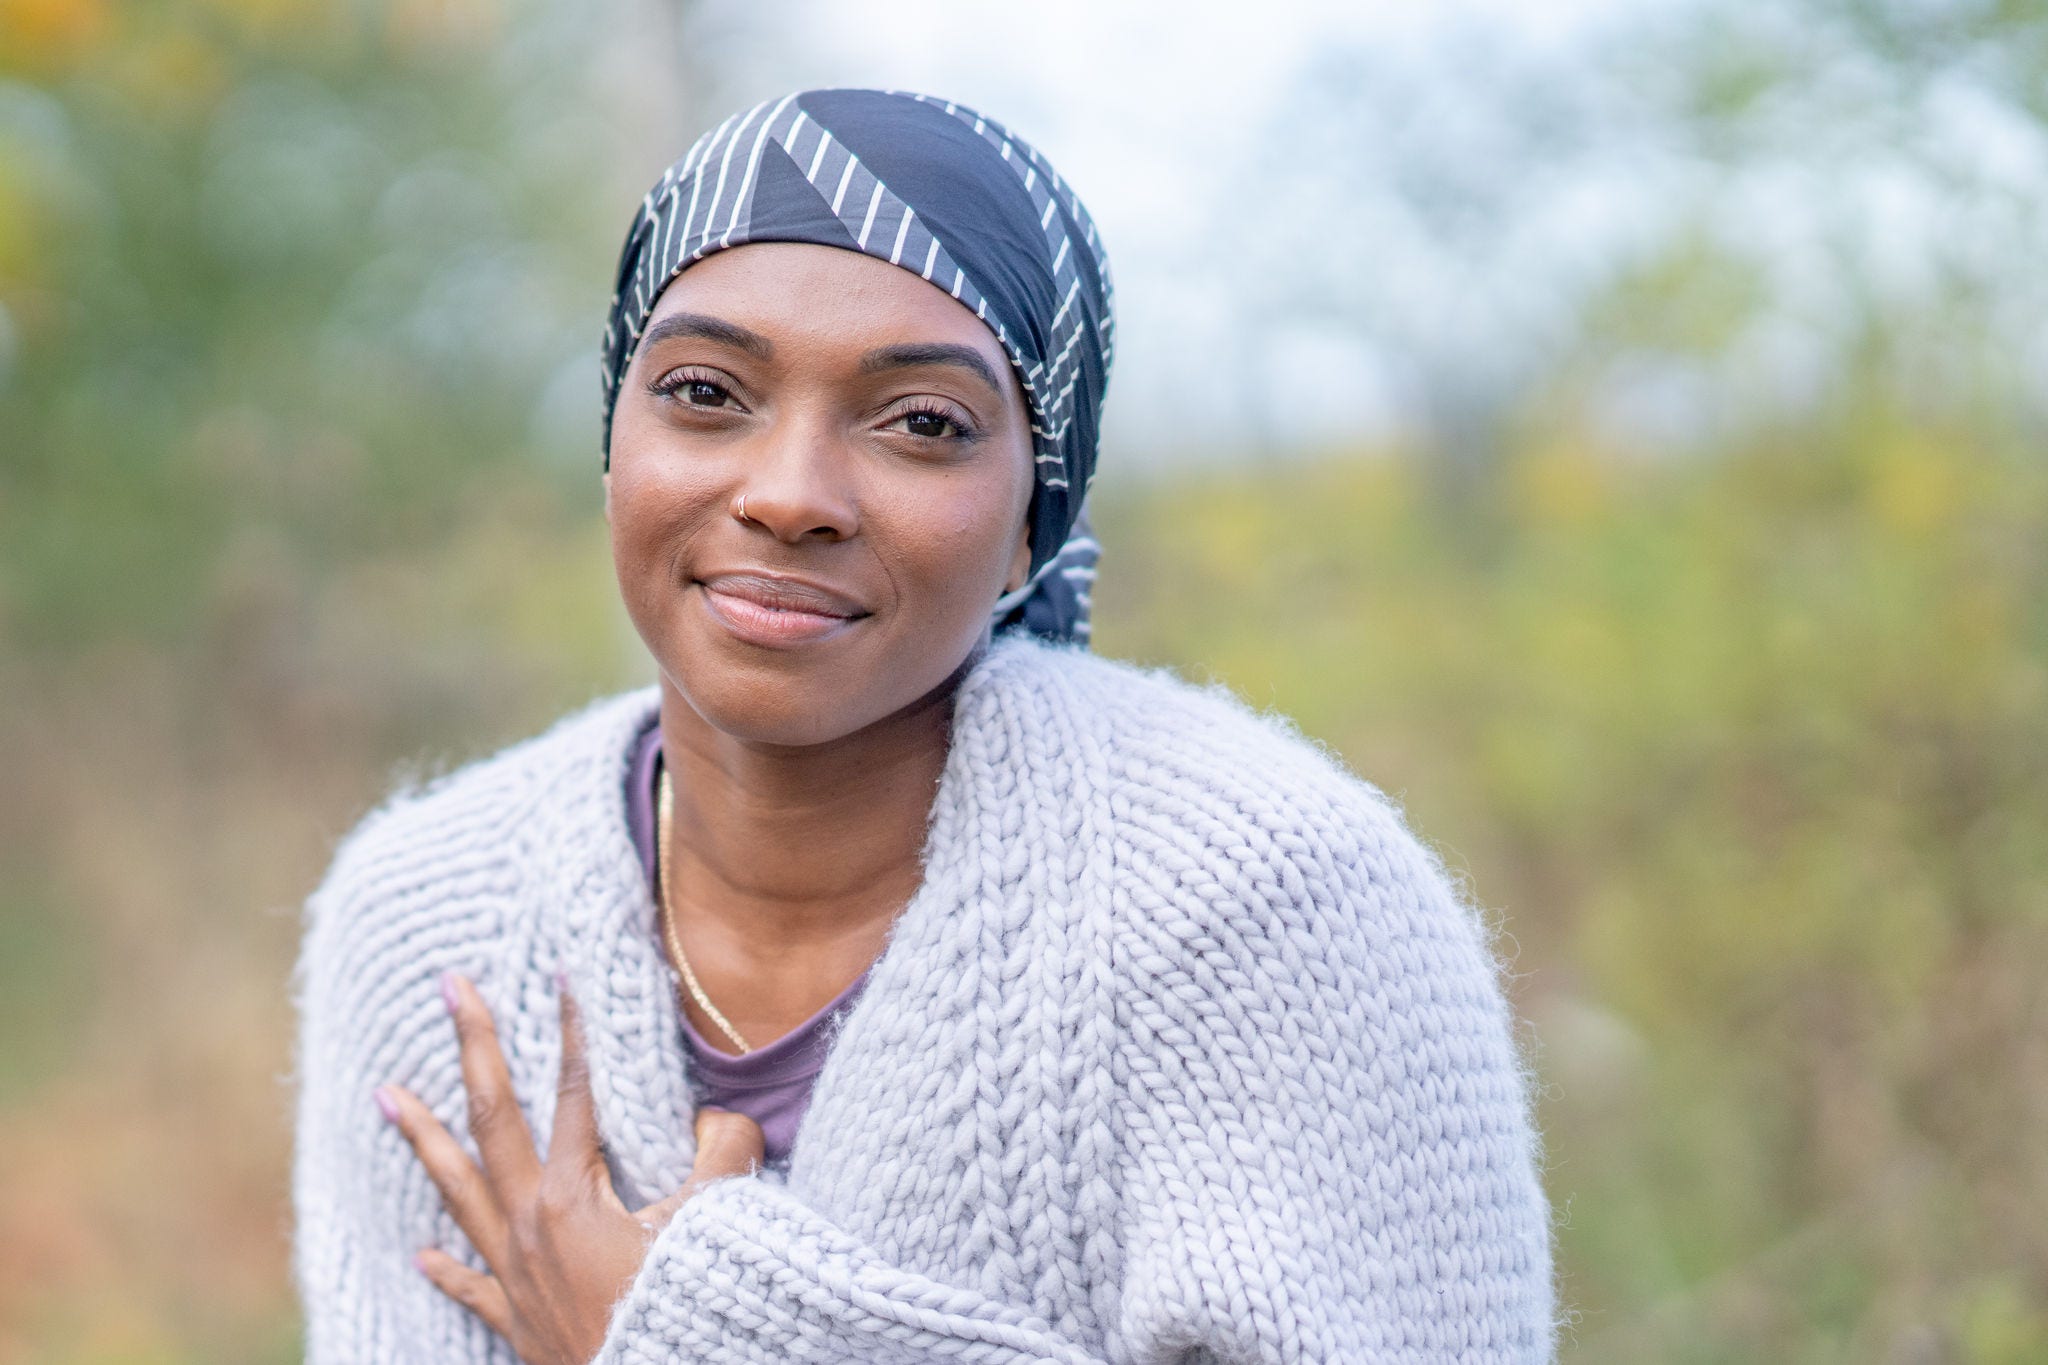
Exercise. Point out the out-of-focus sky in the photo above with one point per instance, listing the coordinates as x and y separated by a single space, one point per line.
1164 117
1345 223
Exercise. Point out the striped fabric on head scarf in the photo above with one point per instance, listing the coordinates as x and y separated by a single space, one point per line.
951 196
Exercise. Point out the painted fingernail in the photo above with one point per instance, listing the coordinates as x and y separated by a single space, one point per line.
448 991
386 1106
419 1261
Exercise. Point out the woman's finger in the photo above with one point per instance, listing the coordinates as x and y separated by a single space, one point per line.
727 1144
481 1294
467 1195
656 1215
495 1120
574 1139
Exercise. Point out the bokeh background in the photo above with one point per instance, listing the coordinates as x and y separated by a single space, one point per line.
1615 427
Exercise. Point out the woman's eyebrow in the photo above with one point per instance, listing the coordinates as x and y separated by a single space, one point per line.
931 353
710 329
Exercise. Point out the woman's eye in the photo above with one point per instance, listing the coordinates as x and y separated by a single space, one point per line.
931 424
694 390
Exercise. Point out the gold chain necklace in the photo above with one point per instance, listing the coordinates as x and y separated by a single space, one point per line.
668 919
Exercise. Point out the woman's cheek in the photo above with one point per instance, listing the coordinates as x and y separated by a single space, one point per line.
662 506
979 529
935 559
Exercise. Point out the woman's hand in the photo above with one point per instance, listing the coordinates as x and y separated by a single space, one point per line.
561 1246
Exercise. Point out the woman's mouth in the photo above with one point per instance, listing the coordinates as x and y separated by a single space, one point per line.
777 611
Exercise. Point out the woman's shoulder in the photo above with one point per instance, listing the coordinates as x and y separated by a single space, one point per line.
1186 750
429 822
1233 825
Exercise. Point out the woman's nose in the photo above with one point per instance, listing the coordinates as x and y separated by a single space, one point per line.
799 484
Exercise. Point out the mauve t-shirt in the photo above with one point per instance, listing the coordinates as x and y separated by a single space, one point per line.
772 1083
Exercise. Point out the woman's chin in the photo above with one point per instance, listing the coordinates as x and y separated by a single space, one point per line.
781 698
777 711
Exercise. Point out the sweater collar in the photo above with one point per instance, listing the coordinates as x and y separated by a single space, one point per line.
597 898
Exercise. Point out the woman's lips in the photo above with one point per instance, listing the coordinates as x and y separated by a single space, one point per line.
767 612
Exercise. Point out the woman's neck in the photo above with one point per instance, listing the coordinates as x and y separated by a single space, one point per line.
783 851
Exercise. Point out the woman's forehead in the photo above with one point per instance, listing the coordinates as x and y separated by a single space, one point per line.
822 298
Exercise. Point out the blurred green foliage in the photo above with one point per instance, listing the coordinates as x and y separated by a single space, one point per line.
274 291
1752 757
1747 754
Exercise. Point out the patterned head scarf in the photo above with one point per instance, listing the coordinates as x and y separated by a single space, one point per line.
951 196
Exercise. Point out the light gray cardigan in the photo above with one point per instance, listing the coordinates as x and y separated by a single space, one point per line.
1186 1049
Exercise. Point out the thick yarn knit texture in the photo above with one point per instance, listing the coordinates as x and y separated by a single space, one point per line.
1185 1049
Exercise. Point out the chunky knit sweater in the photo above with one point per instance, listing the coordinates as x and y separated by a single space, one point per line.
1185 1049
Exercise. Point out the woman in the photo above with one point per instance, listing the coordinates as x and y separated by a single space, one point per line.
895 980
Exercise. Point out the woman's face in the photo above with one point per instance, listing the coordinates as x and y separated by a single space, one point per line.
821 473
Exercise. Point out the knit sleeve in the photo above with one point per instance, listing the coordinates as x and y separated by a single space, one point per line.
361 1204
1328 1152
746 1272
